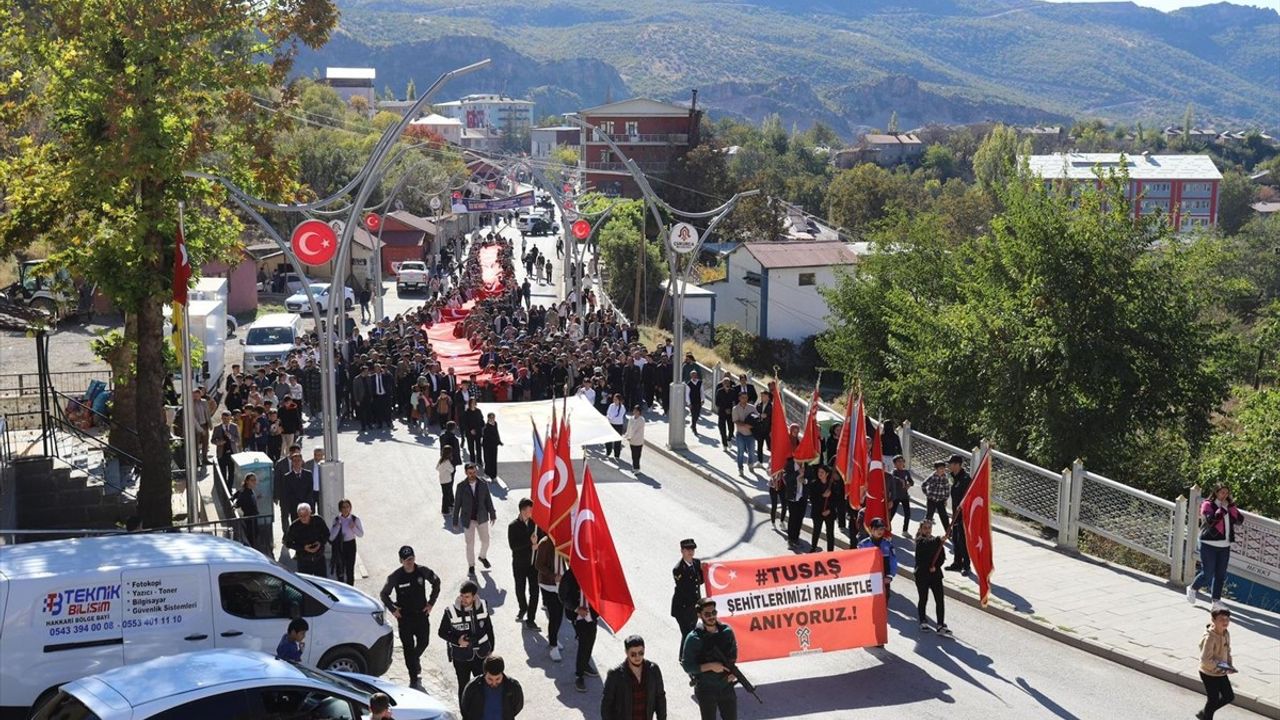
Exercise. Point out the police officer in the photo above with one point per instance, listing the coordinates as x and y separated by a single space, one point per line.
688 577
467 626
411 609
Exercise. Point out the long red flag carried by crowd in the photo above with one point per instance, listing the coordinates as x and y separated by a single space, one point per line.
564 496
810 446
594 560
876 504
975 513
779 434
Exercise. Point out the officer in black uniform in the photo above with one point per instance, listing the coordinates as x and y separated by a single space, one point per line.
688 576
412 609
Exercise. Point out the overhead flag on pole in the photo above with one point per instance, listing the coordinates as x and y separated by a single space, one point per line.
594 560
975 512
779 435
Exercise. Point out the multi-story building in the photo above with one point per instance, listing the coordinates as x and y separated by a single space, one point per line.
448 129
350 82
650 132
496 113
1183 187
544 140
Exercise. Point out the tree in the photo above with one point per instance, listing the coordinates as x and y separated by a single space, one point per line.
893 122
939 161
861 195
411 91
1235 200
1246 454
619 245
133 94
698 181
359 105
996 159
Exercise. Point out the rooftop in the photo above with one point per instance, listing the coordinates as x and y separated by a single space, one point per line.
891 139
1080 166
434 119
341 73
110 552
772 255
637 107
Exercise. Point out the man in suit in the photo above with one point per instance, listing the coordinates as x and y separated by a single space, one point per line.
746 386
379 386
688 579
360 396
293 487
693 398
311 469
726 398
226 437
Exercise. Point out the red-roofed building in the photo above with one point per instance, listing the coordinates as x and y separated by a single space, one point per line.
650 132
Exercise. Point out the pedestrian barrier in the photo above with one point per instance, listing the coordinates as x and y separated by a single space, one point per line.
1075 499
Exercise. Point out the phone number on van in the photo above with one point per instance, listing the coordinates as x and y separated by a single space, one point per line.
105 626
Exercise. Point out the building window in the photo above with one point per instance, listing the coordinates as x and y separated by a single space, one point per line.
1160 188
606 156
808 279
633 128
752 279
607 126
1195 187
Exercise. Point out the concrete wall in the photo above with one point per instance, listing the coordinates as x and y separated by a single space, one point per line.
797 311
242 283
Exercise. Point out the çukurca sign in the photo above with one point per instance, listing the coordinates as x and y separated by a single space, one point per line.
466 205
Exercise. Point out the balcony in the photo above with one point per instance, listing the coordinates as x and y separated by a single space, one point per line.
617 167
638 139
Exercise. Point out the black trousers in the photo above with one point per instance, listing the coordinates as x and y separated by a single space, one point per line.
725 422
465 670
347 561
695 409
586 632
491 463
446 497
687 621
905 504
415 635
829 522
960 547
312 564
795 523
712 700
930 583
635 456
776 499
615 448
555 615
473 446
526 589
1218 694
936 506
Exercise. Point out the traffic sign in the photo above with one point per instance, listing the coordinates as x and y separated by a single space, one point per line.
434 203
314 242
493 185
581 229
373 221
457 194
568 189
684 238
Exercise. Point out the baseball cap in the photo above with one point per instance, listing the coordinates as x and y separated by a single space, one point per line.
405 552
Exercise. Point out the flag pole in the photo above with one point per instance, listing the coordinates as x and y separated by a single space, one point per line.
188 404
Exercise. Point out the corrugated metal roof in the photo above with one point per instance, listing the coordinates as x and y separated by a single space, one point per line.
800 254
893 139
1080 166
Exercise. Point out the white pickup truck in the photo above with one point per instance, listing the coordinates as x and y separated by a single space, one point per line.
412 274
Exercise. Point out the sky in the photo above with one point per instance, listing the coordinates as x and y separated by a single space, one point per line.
1168 5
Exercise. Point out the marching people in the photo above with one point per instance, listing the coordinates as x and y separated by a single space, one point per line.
471 421
616 414
960 482
1216 664
929 558
550 568
635 436
474 506
495 695
726 398
522 536
226 438
444 473
1219 517
634 689
823 500
412 609
900 483
346 528
583 617
306 537
687 575
744 440
937 489
795 491
468 629
293 488
707 649
490 440
877 539
693 398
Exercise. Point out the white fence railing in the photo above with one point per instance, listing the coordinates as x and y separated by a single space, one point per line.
1075 499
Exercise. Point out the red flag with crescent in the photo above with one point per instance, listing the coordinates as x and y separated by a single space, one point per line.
594 560
564 496
975 513
876 503
544 478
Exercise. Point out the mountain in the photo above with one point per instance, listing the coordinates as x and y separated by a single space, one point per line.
847 64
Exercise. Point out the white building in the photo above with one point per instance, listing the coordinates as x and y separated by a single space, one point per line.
771 288
490 112
350 82
447 128
544 140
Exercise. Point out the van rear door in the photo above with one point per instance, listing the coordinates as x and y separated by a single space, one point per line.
166 610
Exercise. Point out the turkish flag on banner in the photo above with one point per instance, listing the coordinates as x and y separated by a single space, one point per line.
564 496
801 604
594 560
779 436
876 503
544 479
810 446
975 513
855 479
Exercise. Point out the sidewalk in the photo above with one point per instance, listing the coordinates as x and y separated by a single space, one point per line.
1123 615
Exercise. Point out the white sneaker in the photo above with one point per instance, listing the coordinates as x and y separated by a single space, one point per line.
555 653
1217 605
1191 594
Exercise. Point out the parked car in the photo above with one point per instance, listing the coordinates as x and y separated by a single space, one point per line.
412 274
77 607
541 226
270 337
227 684
297 302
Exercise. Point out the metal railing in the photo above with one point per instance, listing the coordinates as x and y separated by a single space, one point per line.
74 381
645 138
1137 520
653 167
100 460
221 528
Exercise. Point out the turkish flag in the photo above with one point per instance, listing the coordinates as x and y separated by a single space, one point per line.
876 503
564 496
975 513
853 454
594 560
181 281
810 446
779 435
843 448
544 479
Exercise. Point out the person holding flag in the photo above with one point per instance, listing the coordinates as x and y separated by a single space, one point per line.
780 450
960 483
876 506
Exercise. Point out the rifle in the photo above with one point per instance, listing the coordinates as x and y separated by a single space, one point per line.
717 655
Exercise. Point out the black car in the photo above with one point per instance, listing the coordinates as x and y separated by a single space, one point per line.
542 227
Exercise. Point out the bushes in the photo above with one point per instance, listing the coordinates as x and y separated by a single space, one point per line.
762 355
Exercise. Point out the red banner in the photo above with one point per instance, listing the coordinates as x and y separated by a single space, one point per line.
801 604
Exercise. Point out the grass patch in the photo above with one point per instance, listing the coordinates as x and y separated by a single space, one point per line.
653 336
1100 547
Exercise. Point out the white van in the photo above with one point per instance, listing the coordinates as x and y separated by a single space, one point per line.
72 608
270 337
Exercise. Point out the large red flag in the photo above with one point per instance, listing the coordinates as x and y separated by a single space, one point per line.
843 450
810 446
564 496
594 560
975 513
779 435
544 478
876 507
856 480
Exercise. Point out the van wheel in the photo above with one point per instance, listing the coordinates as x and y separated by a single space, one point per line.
344 659
45 697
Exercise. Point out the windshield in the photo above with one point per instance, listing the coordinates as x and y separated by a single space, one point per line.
320 288
269 336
